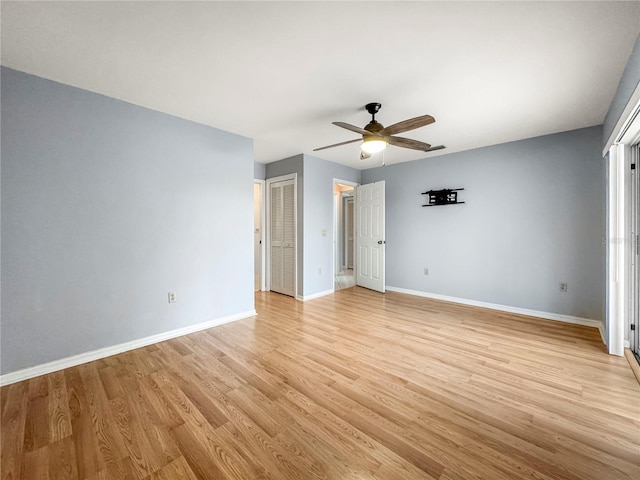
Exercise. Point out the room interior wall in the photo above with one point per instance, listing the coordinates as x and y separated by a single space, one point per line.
533 218
319 225
107 207
314 214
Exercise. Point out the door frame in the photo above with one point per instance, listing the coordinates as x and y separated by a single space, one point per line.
634 264
263 228
338 204
618 292
267 229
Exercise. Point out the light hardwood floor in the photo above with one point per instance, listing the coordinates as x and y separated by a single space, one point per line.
356 385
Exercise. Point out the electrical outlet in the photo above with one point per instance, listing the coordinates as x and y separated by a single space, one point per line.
172 297
319 271
563 287
426 271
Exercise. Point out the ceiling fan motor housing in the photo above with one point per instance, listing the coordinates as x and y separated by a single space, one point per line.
373 126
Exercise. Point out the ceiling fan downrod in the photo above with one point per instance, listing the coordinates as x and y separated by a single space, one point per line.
373 108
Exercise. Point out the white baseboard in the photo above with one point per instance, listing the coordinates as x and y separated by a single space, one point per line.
74 360
306 298
588 322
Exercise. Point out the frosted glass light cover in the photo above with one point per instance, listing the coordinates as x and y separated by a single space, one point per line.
373 145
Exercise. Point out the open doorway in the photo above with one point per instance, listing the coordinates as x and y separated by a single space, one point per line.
258 235
344 234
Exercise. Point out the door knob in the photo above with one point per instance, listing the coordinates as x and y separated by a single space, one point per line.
380 242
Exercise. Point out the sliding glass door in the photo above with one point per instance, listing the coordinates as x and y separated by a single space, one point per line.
634 247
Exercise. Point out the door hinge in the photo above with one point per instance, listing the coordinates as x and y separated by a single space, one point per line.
633 166
633 327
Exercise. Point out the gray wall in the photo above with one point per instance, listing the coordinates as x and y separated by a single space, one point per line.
106 207
318 215
628 83
534 217
259 171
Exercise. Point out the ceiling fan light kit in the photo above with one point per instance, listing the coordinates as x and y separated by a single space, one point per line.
375 137
373 144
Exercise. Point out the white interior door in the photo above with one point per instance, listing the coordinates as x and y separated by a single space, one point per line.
282 237
370 239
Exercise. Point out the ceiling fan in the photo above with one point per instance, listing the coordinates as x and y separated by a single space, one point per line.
375 137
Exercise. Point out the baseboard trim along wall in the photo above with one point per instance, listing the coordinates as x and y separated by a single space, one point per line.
587 322
68 362
306 298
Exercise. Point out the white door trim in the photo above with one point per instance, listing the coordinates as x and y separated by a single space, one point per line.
263 222
631 336
616 250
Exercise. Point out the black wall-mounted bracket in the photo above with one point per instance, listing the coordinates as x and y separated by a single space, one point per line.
446 196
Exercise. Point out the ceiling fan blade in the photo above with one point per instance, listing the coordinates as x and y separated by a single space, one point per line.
353 128
338 144
408 143
364 155
407 125
439 147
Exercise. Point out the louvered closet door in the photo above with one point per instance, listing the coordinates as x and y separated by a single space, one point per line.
283 237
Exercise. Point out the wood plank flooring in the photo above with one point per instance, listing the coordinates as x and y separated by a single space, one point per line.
356 385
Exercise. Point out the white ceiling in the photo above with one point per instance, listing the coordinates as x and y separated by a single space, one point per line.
281 72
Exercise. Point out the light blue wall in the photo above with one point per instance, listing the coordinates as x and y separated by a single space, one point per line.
106 207
534 217
628 83
318 215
